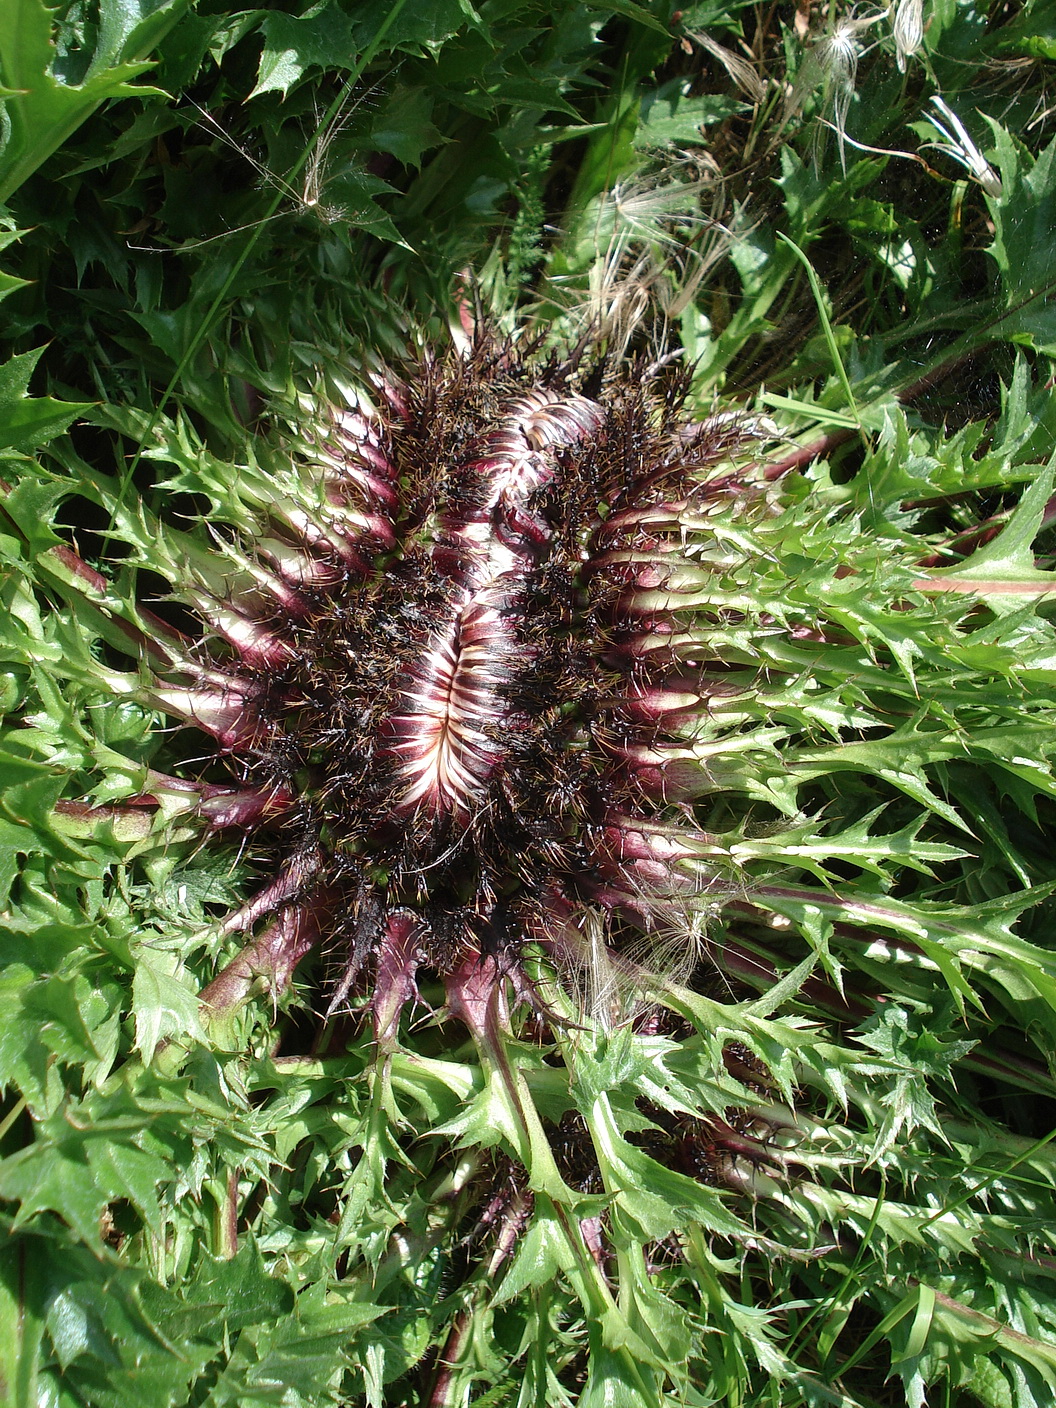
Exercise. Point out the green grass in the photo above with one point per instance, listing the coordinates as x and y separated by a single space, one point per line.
819 1166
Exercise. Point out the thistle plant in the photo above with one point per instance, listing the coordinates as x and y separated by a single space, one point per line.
437 674
528 713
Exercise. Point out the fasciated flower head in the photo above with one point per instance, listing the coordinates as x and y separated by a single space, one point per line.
457 674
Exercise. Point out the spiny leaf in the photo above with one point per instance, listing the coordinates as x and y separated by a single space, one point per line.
1005 567
43 109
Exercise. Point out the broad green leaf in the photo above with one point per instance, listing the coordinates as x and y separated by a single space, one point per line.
293 44
1024 245
42 110
404 127
26 420
670 117
165 1002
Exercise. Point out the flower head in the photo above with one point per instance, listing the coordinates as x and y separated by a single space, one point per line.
458 676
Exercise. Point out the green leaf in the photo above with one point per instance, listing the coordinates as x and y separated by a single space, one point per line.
352 197
423 25
293 44
24 1287
543 1253
649 1200
165 1002
404 127
1005 567
632 11
235 1291
43 111
8 282
26 420
1024 244
670 117
55 1177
